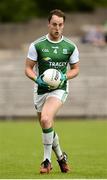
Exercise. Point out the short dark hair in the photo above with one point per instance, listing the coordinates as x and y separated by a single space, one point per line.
56 12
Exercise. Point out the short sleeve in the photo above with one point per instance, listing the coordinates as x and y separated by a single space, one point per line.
74 58
32 53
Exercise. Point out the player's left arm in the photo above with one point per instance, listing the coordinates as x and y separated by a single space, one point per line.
70 74
73 71
74 67
74 64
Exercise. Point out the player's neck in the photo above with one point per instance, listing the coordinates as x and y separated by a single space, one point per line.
51 38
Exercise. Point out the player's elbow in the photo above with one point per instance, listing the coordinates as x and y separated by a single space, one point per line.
27 72
77 71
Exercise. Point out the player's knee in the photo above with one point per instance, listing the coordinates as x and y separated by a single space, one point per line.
45 121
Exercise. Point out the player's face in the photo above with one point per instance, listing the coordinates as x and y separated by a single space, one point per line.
56 26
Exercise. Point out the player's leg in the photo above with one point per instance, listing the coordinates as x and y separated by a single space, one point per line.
46 164
61 95
55 145
49 110
61 156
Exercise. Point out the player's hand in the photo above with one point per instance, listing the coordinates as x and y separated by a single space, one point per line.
63 79
40 82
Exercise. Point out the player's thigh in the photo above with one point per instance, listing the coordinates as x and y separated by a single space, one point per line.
51 106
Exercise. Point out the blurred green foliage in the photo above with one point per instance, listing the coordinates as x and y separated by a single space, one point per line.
24 10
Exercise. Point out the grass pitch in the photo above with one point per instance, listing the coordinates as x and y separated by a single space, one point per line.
21 149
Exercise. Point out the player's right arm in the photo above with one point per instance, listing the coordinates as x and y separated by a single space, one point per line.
29 65
32 75
31 61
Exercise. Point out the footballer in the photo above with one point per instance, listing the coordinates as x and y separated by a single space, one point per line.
52 50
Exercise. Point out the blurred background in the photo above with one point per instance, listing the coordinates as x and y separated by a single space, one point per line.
21 22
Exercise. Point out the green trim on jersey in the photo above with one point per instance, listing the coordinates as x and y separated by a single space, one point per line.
53 55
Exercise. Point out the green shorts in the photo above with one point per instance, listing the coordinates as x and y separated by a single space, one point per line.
39 100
